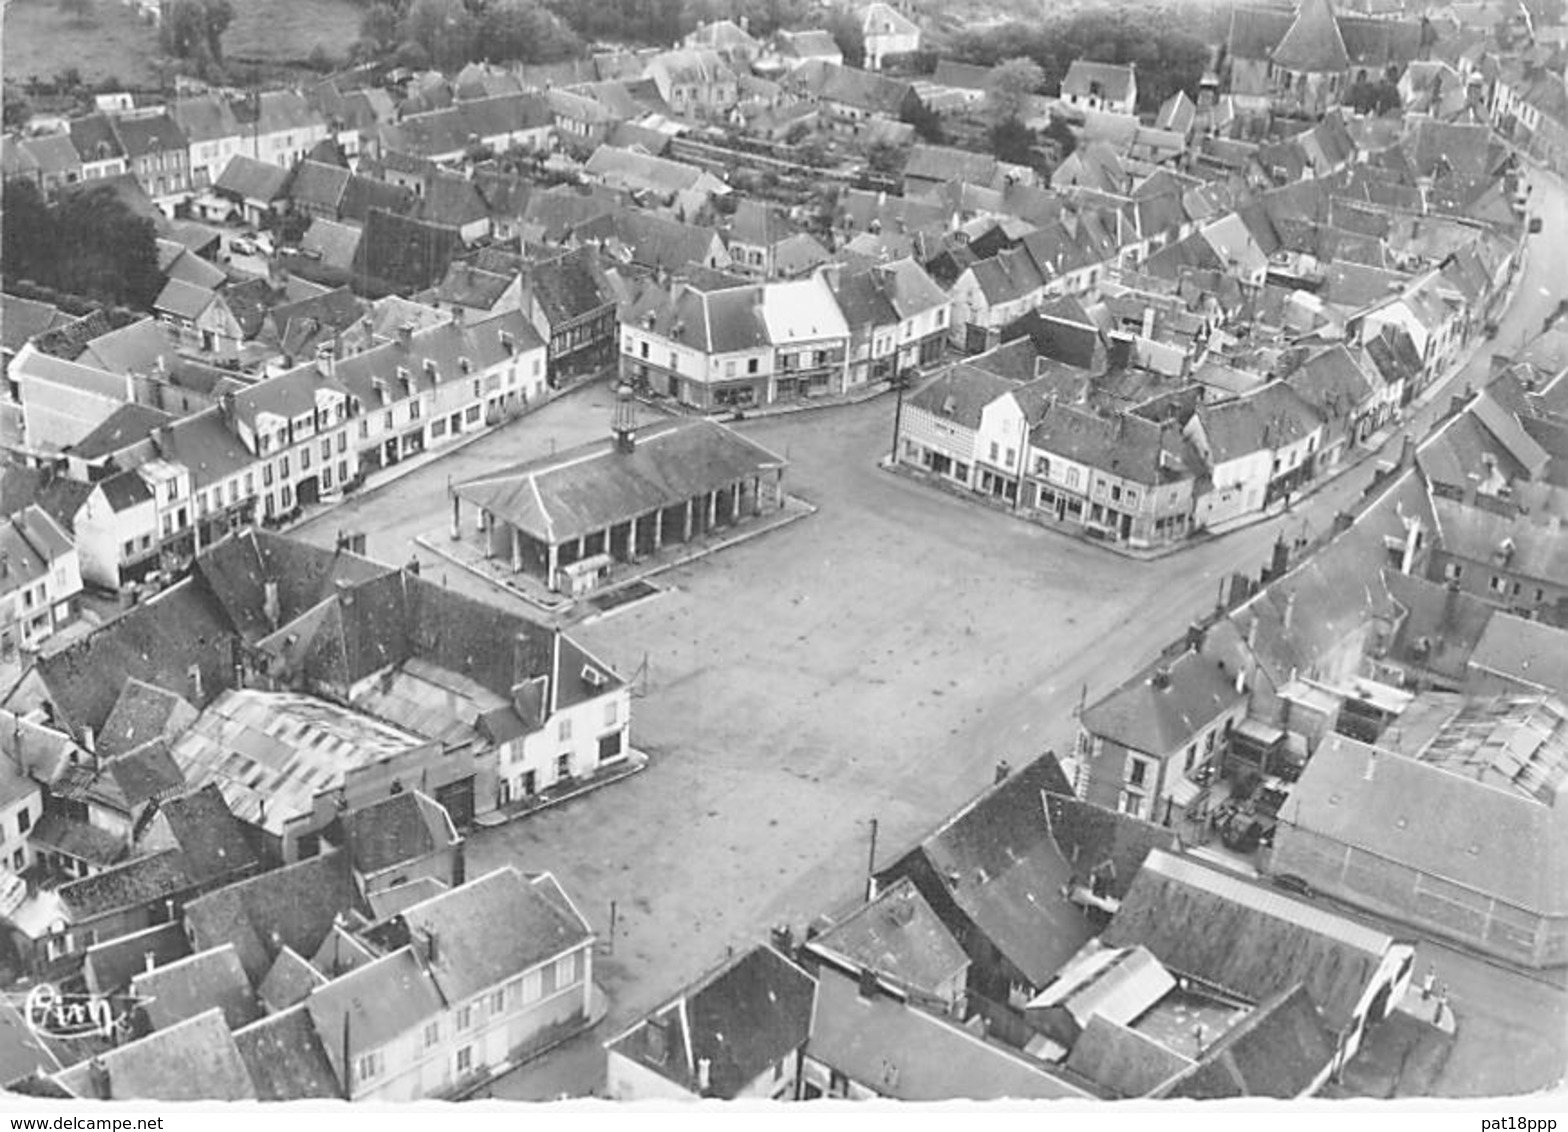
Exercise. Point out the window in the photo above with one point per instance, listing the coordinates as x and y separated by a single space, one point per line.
283 468
1137 772
343 441
326 475
564 730
547 980
465 1018
751 365
514 992
498 1002
612 714
387 421
24 822
995 452
1192 756
414 409
1453 571
1498 584
471 415
326 449
432 1034
465 1059
304 459
364 428
368 1066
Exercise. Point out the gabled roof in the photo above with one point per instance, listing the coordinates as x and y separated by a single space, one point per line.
110 966
1245 939
286 1059
741 1020
1497 841
1114 80
1160 709
960 393
1313 43
1103 844
898 936
252 180
1122 1060
905 1053
156 133
295 906
195 984
206 118
193 1060
995 862
375 1004
1530 653
1272 418
1281 1049
317 184
1124 445
396 831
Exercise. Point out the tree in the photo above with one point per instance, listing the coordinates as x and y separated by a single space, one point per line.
1010 86
193 30
885 157
446 29
80 11
850 36
1061 135
525 30
927 123
1012 142
17 110
378 27
1381 97
28 232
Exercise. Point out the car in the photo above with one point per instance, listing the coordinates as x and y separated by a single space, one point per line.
1292 884
242 247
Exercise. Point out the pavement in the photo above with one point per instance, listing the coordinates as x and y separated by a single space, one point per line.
875 662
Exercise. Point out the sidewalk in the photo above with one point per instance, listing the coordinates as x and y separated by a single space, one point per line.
869 392
634 762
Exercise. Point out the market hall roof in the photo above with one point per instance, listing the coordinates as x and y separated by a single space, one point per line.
594 486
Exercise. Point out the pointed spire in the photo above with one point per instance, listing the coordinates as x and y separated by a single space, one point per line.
1313 45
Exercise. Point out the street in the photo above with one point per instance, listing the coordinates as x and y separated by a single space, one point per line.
875 660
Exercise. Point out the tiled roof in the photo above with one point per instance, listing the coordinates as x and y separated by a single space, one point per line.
130 424
142 882
1246 939
1124 445
960 393
1114 80
396 831
110 966
289 982
403 253
150 135
1271 418
374 1004
745 1018
1526 652
194 1060
295 906
286 1059
1121 1060
195 984
207 832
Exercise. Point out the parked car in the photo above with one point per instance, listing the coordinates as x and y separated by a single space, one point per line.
1292 884
242 246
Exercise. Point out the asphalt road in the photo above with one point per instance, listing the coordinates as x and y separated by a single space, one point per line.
874 660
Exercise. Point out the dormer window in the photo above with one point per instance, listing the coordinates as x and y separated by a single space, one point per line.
508 343
464 366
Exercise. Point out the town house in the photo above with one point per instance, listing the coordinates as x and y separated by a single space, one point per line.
214 134
469 982
158 153
1260 448
40 577
297 428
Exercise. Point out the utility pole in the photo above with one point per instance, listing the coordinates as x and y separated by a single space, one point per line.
871 865
898 409
612 927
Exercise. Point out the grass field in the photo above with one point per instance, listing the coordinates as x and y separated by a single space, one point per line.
286 30
40 40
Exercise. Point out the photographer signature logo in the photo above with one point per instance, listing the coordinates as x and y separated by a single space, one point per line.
63 1015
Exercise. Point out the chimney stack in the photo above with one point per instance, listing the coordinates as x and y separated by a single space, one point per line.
150 958
704 1074
405 336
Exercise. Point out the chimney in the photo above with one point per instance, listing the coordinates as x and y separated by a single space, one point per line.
194 674
1161 679
271 609
98 1077
1195 635
624 426
1281 560
1472 485
704 1074
150 959
1290 609
1148 323
405 336
89 741
5 564
226 410
459 315
432 947
867 984
326 360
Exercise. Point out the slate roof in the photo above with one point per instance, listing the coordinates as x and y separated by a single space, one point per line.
1160 709
1526 652
94 138
396 831
318 184
960 393
289 982
194 1060
1313 43
899 936
907 1054
110 966
54 153
1122 1060
378 1003
252 180
491 929
157 641
403 253
1279 1050
211 837
1539 549
1493 840
996 863
1124 445
557 498
1273 417
130 424
1246 939
743 1019
294 906
195 984
570 286
205 118
286 1059
183 300
1103 843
